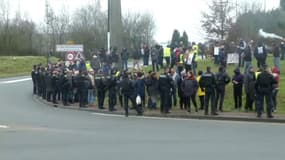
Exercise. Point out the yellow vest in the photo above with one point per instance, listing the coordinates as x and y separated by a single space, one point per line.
88 66
167 52
200 92
195 49
181 58
256 74
118 73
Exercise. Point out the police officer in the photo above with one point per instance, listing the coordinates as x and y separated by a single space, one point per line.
264 87
49 88
111 87
38 81
100 87
66 87
54 86
33 75
260 54
222 80
128 90
166 86
208 81
83 85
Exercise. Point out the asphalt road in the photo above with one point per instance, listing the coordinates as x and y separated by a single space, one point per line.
40 132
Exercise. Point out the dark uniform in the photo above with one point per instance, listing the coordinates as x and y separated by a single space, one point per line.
83 85
128 91
38 82
100 87
222 80
33 75
49 88
111 83
43 84
66 87
54 86
208 81
166 86
264 87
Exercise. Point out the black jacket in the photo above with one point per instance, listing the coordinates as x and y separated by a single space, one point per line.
189 87
264 83
127 87
208 81
166 83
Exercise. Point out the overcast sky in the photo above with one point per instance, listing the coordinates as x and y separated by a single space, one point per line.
168 14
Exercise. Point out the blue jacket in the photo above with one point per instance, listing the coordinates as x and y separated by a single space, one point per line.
140 87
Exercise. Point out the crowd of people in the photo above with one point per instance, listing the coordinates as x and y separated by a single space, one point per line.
178 84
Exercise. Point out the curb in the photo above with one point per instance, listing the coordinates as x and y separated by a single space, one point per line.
170 116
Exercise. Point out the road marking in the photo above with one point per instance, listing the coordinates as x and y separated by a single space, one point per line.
4 127
186 119
15 81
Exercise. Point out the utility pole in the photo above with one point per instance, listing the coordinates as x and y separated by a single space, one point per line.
115 27
47 29
236 9
108 32
264 5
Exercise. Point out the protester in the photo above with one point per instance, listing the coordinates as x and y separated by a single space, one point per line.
242 46
237 81
125 57
249 84
260 54
201 92
167 55
175 77
145 52
276 75
247 57
276 56
154 58
282 49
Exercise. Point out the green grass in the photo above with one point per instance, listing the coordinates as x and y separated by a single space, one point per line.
19 65
229 100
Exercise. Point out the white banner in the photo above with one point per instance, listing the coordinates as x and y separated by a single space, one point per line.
69 48
232 58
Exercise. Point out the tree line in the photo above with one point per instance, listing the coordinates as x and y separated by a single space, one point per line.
230 21
19 35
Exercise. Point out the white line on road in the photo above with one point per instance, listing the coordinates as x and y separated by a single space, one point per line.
4 127
15 81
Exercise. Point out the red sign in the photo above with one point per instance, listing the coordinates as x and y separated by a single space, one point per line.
70 56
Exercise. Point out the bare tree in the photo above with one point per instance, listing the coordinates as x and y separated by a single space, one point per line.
138 28
218 20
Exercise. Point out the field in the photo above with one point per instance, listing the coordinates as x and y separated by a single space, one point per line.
19 66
